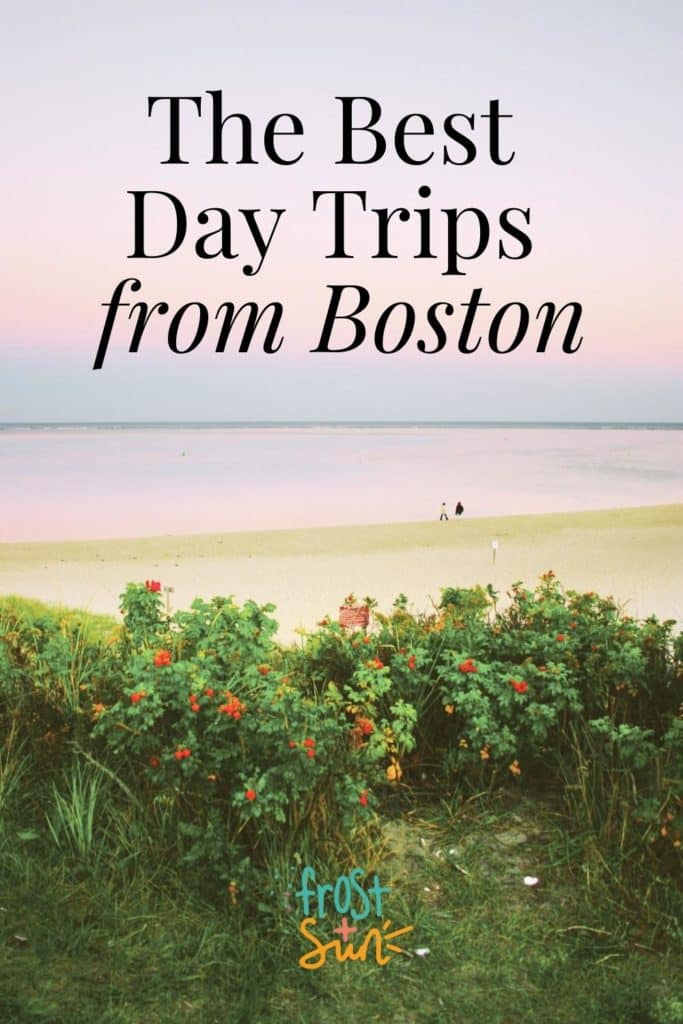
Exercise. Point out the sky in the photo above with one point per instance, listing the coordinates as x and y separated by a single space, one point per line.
590 91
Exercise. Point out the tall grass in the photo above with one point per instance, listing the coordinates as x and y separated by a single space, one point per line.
14 765
71 821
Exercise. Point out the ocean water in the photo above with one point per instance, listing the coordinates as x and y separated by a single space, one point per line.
77 481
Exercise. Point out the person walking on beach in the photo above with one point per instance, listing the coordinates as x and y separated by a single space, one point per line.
459 509
444 513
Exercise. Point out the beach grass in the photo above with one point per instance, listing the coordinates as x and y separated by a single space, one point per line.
94 626
80 944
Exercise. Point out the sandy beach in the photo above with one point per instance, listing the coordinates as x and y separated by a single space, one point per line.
635 555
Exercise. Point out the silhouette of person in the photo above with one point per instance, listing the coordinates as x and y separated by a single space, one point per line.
444 513
459 509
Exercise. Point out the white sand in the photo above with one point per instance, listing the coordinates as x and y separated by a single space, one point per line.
635 555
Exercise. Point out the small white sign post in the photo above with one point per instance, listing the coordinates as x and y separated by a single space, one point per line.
494 549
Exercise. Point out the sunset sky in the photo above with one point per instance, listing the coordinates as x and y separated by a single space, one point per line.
593 93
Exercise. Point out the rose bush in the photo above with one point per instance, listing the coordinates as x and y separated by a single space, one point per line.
246 750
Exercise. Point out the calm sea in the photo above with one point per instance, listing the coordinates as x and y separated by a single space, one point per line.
72 481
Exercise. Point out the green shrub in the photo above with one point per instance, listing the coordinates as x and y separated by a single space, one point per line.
208 723
243 750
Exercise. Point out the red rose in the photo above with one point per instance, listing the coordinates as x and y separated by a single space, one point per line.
310 752
153 585
292 744
195 707
560 637
209 693
135 698
308 742
411 662
250 794
154 762
467 666
363 798
162 658
519 685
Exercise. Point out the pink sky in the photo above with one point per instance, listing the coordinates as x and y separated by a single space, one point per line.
597 158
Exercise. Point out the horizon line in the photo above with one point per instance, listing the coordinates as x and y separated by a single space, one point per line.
339 422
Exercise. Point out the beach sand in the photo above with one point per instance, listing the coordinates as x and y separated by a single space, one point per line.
634 555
